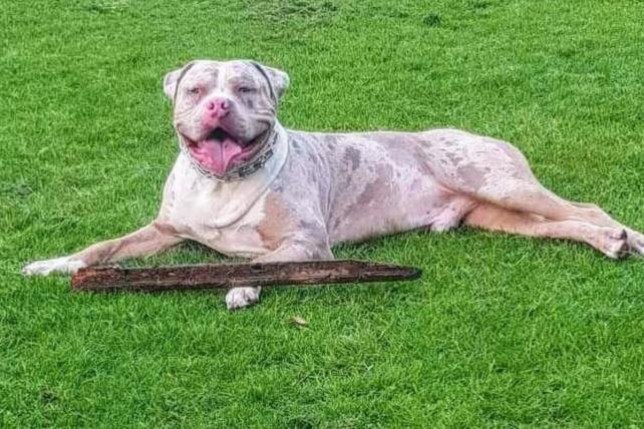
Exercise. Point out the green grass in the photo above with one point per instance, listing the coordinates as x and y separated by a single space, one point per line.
500 332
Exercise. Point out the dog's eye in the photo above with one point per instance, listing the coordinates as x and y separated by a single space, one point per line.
245 89
194 90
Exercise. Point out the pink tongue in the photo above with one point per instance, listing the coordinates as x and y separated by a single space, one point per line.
217 155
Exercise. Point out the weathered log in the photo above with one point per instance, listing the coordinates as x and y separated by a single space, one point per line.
215 276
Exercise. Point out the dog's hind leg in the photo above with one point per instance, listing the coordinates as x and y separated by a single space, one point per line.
595 215
529 196
610 241
497 174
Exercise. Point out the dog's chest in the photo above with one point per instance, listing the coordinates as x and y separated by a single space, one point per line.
215 214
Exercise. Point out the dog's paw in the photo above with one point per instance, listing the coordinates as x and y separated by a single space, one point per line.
241 297
64 265
636 242
615 243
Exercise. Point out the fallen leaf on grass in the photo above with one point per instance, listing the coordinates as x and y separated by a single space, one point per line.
299 321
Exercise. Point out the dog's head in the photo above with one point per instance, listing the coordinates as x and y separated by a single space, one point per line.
223 111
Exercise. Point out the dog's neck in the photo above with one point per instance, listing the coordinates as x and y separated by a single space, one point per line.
234 198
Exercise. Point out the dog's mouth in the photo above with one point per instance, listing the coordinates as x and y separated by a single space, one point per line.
220 151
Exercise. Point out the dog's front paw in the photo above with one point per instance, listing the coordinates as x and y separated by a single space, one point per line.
64 265
241 297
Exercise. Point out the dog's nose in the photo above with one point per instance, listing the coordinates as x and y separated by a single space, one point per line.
217 107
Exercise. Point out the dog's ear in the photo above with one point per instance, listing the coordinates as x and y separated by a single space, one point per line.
277 79
171 80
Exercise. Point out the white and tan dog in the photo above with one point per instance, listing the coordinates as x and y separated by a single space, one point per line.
245 186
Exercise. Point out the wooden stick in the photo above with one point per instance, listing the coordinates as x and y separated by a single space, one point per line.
190 277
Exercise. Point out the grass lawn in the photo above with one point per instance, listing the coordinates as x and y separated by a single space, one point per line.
501 331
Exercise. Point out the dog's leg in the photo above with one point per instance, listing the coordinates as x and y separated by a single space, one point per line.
592 213
290 251
146 241
532 198
496 173
595 215
608 240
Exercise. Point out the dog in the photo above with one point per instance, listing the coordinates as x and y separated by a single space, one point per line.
245 186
